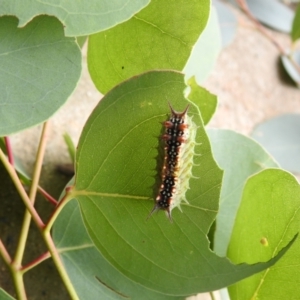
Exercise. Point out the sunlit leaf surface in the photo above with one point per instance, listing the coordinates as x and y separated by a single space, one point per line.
267 220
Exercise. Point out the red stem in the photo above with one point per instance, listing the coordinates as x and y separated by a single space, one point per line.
9 150
4 254
36 261
47 196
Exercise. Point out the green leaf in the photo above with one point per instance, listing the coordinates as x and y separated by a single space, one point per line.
5 296
206 50
115 184
159 37
78 17
206 101
295 33
39 70
267 219
86 266
239 157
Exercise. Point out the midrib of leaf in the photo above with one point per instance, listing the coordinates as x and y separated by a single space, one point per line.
162 31
46 45
109 55
74 248
198 207
114 195
110 195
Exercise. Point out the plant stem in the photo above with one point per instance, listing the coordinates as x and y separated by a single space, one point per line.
58 209
18 283
16 275
32 194
15 179
36 262
9 150
4 254
212 296
47 196
59 265
15 266
52 249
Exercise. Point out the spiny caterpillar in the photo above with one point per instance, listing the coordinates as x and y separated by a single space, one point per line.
179 137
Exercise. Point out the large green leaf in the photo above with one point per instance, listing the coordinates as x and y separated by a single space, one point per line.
159 37
92 275
39 70
78 17
115 184
267 219
239 157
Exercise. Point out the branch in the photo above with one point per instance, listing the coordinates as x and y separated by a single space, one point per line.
36 262
9 150
47 196
4 254
244 7
15 179
32 194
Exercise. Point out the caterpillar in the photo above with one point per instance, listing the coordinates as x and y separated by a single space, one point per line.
179 138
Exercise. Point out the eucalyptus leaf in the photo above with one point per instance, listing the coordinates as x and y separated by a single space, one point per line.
92 275
205 51
161 36
39 70
78 17
239 157
117 179
280 136
291 64
206 101
272 13
267 219
5 296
